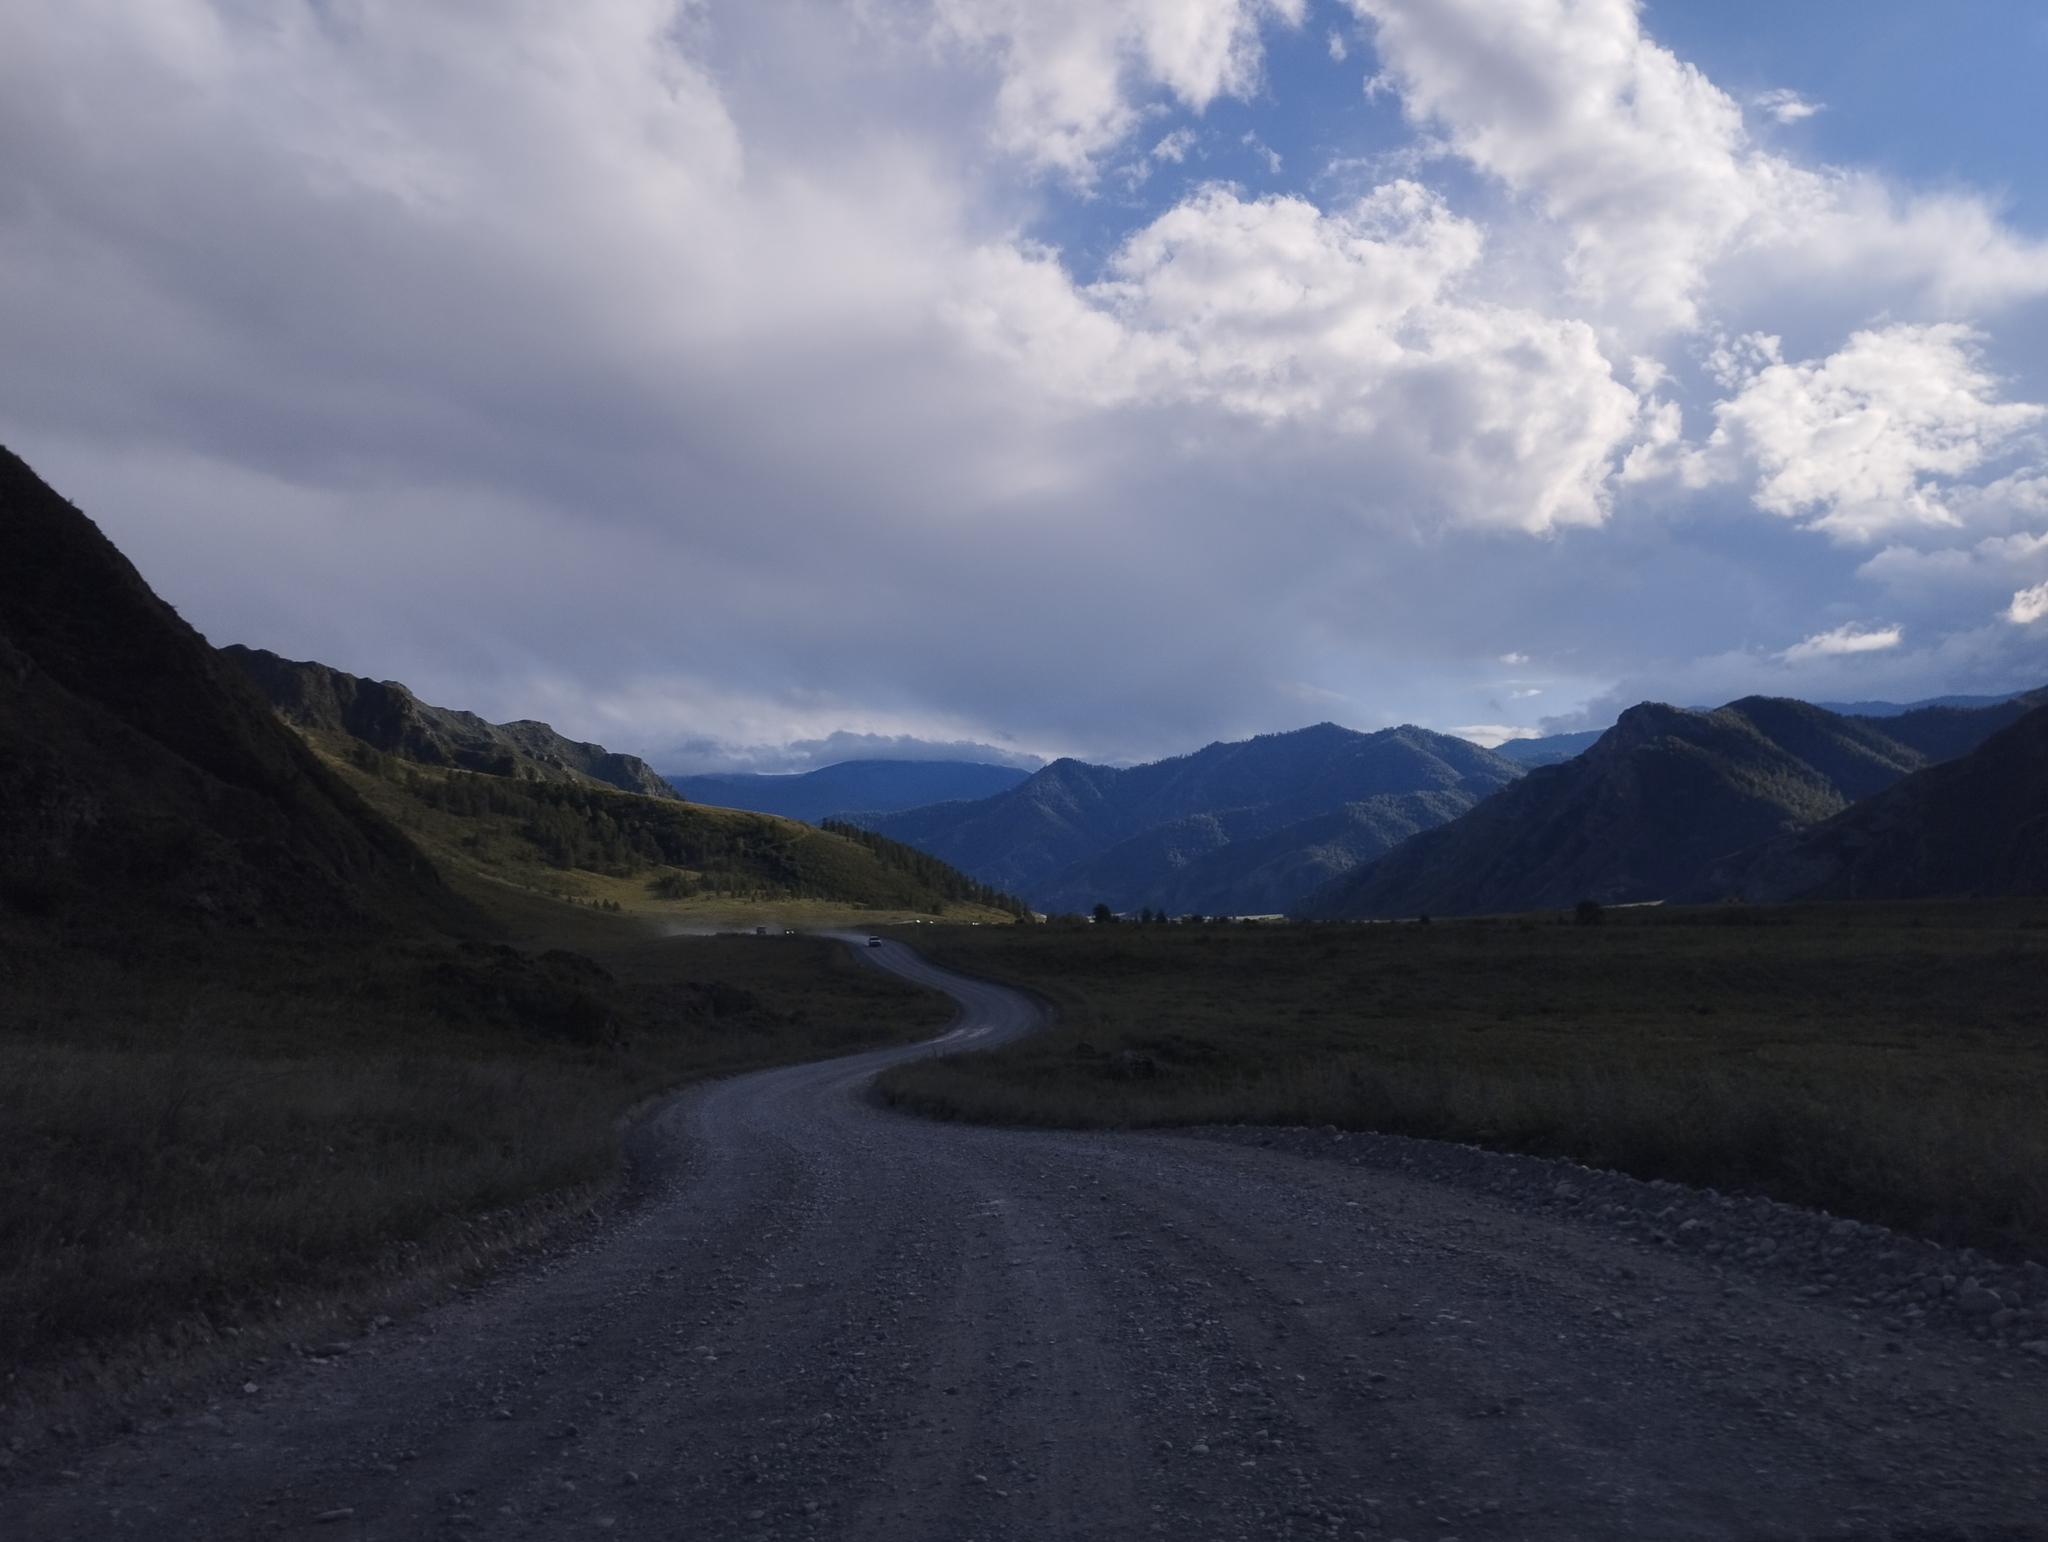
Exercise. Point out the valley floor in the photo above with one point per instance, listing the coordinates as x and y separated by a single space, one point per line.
828 1320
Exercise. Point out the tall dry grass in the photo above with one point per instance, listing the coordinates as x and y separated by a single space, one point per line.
139 1185
1890 1064
197 1139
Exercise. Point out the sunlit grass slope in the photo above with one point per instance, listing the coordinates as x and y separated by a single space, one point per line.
651 855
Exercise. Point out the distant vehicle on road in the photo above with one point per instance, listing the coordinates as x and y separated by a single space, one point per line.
874 942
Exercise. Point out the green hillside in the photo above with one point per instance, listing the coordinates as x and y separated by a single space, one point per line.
622 850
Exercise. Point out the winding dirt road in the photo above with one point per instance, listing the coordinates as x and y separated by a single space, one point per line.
827 1321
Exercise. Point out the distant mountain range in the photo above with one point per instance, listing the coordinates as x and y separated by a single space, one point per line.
1552 748
142 771
1547 751
856 790
1244 828
388 717
1659 806
1896 709
1670 803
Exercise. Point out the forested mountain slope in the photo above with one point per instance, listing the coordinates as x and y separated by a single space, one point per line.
1640 816
1974 826
1050 838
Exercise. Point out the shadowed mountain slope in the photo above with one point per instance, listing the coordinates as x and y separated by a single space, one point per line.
1900 708
1977 826
1547 751
1639 816
1271 874
1944 731
137 768
1940 729
388 717
862 790
1176 811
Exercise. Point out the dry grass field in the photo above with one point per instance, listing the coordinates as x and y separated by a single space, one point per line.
194 1133
1888 1062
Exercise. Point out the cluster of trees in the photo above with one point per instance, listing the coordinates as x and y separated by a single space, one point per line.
1103 916
929 871
616 833
736 883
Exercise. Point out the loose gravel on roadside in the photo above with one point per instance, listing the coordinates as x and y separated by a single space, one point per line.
1900 1285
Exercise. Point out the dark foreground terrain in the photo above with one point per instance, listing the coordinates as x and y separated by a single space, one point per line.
828 1320
1887 1062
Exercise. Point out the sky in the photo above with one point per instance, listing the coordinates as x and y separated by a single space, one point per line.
753 386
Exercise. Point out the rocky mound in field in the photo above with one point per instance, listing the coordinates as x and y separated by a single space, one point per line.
1976 826
386 716
1073 835
1644 813
141 773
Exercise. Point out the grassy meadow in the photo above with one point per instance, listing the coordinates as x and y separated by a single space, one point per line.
197 1134
1888 1062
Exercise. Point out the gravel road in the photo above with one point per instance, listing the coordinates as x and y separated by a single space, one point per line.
824 1320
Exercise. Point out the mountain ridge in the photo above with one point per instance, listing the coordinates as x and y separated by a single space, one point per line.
1029 839
387 716
1973 826
855 790
1653 805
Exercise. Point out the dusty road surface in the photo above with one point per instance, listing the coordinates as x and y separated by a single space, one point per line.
829 1321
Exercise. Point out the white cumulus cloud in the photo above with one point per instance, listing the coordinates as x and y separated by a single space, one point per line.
1075 73
1644 166
2028 605
1786 106
1861 442
1350 321
1844 639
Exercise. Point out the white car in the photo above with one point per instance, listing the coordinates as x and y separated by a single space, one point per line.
874 942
